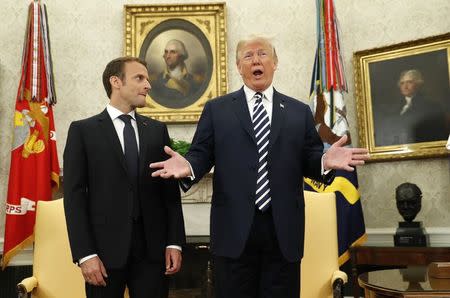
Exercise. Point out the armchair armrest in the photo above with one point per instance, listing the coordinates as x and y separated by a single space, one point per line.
339 275
26 286
338 279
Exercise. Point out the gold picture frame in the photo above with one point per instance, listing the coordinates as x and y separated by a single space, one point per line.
198 33
403 99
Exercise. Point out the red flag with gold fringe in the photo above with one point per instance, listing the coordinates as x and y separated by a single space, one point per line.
34 169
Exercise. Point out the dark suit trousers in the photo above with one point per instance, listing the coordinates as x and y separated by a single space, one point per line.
144 278
261 271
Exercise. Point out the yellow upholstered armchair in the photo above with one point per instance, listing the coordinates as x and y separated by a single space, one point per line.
320 275
54 273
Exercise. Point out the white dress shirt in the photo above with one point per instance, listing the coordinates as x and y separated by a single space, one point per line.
119 125
266 100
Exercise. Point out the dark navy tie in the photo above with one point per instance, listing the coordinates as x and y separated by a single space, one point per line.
261 125
131 149
132 159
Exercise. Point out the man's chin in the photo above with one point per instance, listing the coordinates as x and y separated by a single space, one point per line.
260 85
139 105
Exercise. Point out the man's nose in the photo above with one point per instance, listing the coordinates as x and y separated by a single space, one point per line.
148 86
405 205
256 59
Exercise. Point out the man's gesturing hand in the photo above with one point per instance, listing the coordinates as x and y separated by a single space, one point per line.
176 166
343 158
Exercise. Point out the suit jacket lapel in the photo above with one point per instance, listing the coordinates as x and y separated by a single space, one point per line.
278 113
142 125
109 130
240 107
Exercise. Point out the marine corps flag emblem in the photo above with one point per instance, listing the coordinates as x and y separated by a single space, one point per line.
34 169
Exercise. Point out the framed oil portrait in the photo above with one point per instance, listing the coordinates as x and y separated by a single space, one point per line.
403 99
184 46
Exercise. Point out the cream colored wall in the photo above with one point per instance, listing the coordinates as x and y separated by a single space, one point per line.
86 34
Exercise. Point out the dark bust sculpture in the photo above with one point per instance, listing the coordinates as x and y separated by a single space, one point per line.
409 200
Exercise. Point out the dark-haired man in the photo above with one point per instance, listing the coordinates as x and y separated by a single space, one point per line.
125 227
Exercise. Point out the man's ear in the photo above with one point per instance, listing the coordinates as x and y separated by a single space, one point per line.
115 82
238 65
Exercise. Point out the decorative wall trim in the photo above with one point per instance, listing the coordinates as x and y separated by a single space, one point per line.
439 237
200 192
24 258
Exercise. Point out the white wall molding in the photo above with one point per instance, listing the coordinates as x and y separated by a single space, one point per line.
439 237
24 258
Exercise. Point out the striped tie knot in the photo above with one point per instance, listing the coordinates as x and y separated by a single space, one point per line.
258 96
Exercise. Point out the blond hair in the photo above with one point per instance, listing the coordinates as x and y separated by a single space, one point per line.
255 38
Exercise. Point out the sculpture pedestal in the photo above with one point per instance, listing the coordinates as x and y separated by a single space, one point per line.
410 234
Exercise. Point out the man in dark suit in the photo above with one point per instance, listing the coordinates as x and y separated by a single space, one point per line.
262 143
125 227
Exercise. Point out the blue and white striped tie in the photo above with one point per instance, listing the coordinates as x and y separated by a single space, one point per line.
261 125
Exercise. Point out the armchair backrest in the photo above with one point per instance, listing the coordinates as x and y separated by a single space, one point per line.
57 275
320 258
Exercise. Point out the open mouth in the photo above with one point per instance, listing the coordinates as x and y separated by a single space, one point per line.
257 73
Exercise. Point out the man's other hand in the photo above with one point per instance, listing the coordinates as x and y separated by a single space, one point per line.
173 261
94 272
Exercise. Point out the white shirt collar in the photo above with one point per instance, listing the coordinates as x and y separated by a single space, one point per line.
249 93
407 105
408 100
115 113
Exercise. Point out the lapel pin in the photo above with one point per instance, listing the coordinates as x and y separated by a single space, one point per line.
281 105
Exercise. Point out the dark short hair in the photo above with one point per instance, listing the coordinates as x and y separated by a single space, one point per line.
115 68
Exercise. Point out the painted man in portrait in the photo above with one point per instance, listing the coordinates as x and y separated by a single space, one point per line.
175 86
412 118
